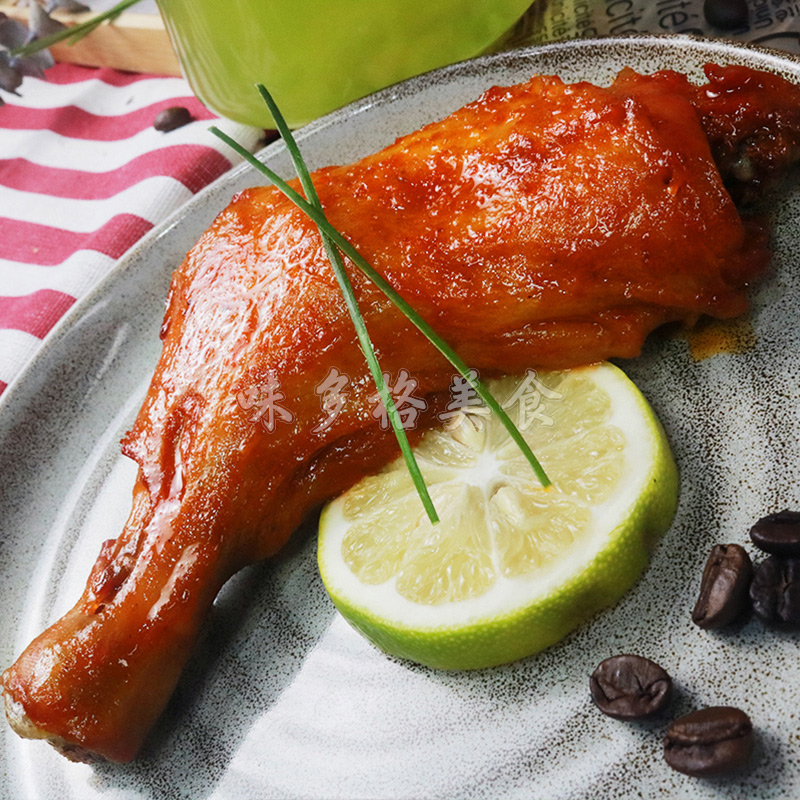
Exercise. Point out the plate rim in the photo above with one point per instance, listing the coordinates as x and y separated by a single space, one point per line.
381 97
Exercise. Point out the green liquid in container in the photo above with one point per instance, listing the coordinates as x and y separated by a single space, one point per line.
317 55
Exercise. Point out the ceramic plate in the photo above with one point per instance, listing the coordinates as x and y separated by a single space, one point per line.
283 699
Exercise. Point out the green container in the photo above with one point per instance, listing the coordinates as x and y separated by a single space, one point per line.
317 55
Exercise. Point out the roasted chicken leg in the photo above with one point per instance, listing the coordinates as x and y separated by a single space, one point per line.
544 225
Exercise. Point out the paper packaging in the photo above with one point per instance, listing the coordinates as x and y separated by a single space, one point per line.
771 23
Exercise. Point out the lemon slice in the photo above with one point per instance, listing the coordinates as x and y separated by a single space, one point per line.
511 567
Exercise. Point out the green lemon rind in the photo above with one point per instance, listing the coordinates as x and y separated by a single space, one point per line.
503 638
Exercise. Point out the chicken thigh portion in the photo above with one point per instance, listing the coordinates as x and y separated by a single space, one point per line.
544 225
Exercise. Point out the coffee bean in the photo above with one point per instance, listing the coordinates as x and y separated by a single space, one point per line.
709 741
170 118
724 587
778 534
629 687
726 14
775 591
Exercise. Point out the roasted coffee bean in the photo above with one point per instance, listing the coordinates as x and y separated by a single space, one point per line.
171 118
778 534
709 741
775 591
724 587
629 687
726 14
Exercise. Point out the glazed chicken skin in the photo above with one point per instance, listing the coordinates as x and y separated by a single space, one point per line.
544 225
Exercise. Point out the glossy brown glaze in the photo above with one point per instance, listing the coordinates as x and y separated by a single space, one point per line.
543 225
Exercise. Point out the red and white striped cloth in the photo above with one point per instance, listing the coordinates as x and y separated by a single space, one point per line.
83 175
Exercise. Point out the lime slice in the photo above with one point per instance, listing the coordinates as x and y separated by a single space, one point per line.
511 567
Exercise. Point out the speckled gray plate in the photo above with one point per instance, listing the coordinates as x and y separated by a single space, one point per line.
283 699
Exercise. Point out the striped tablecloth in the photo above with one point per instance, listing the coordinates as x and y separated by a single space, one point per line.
83 175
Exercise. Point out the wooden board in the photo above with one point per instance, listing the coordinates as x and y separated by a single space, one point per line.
134 41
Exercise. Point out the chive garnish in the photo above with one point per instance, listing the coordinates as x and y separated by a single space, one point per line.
355 312
335 244
334 256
